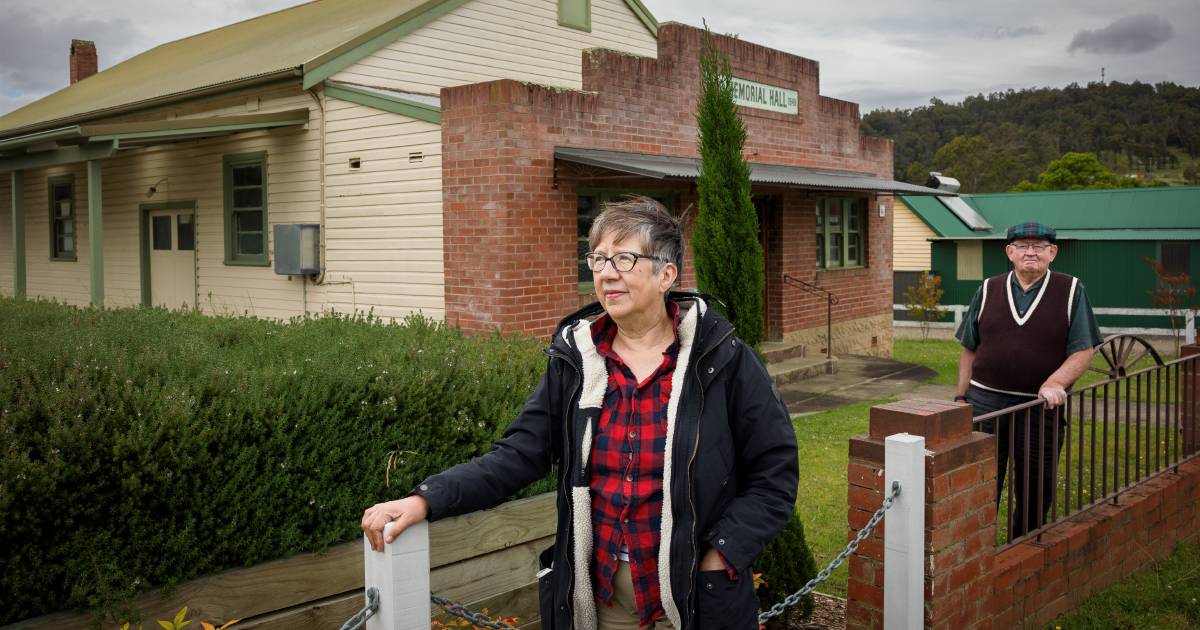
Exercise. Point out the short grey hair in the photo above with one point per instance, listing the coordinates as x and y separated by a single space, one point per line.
646 220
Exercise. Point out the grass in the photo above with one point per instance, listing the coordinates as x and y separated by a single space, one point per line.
823 440
1167 595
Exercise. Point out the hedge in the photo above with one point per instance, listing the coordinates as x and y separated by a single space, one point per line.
140 448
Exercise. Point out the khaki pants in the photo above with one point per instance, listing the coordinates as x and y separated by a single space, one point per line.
622 615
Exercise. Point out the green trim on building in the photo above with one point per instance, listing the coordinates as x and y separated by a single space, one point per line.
51 182
18 232
59 157
576 14
139 135
95 188
388 103
231 256
144 211
351 52
643 14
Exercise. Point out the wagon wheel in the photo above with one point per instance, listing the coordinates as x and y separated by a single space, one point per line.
1122 352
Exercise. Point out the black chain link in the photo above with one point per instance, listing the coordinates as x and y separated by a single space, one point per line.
458 610
794 598
359 620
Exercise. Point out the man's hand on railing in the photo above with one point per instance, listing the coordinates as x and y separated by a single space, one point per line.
1053 395
403 512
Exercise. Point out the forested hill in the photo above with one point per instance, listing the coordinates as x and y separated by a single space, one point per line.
1011 136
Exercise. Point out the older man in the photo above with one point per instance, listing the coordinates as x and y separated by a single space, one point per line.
1028 334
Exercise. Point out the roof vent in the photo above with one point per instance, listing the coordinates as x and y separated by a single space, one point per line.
937 181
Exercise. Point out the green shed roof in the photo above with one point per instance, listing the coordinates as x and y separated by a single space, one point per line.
1121 214
312 40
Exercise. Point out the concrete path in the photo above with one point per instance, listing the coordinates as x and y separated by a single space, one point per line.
862 379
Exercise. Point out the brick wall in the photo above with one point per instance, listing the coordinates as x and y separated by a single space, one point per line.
967 583
510 223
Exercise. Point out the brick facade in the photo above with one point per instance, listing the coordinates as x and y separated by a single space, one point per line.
510 211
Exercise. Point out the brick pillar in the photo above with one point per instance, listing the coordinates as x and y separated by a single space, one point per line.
960 514
1190 398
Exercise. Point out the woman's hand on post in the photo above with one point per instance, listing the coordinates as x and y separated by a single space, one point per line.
403 512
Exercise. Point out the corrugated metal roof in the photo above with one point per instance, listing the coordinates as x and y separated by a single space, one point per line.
274 44
670 167
1122 214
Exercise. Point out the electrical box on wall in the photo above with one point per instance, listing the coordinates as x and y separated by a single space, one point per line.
297 249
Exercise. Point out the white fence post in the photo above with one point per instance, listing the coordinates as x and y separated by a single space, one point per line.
401 573
904 533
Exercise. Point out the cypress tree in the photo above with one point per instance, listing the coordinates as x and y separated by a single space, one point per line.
725 245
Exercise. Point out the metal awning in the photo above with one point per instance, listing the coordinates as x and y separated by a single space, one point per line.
85 142
682 168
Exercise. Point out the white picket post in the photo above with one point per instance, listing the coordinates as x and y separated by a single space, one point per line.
904 534
401 573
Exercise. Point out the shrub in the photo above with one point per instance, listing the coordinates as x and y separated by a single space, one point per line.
140 448
728 255
786 565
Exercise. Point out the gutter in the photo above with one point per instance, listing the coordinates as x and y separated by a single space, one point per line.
210 90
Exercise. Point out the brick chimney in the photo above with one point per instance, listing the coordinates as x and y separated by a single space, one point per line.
83 59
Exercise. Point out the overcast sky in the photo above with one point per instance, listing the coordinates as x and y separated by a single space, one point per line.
878 53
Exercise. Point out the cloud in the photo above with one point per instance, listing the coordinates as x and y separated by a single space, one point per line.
29 65
1004 32
1128 35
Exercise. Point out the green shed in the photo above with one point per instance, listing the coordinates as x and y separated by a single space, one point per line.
1105 238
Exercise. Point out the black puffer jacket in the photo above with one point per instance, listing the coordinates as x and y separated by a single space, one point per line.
731 470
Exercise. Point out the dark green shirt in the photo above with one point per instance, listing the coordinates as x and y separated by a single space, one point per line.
1084 332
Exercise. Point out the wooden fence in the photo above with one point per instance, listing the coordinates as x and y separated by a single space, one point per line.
487 559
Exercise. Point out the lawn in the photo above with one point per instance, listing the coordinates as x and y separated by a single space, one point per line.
823 439
1164 596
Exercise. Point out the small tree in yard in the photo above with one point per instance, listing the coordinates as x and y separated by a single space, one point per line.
1174 294
923 301
728 255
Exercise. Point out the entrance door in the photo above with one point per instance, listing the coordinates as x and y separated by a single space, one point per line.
172 246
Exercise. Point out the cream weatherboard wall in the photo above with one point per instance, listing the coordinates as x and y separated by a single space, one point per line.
484 40
186 171
383 247
910 241
6 241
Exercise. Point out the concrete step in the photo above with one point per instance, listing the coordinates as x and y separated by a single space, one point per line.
800 368
777 351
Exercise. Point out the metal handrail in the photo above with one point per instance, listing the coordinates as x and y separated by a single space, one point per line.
1148 414
830 300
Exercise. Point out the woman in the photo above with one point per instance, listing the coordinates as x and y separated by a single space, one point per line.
676 459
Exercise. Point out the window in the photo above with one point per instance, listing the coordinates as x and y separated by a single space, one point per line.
1175 257
970 260
246 209
589 203
841 233
575 14
62 217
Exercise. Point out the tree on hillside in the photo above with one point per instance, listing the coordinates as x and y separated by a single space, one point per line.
725 246
1129 126
977 164
1076 171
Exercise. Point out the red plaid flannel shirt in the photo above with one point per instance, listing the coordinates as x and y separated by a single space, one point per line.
627 471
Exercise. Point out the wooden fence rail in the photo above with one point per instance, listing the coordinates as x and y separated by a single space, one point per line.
487 559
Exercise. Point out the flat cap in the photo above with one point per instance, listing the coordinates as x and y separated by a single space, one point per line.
1033 231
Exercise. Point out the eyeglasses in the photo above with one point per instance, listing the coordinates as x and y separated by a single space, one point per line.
1031 247
621 261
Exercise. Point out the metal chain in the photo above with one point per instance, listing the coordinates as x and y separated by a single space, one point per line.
359 620
458 610
823 575
479 620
